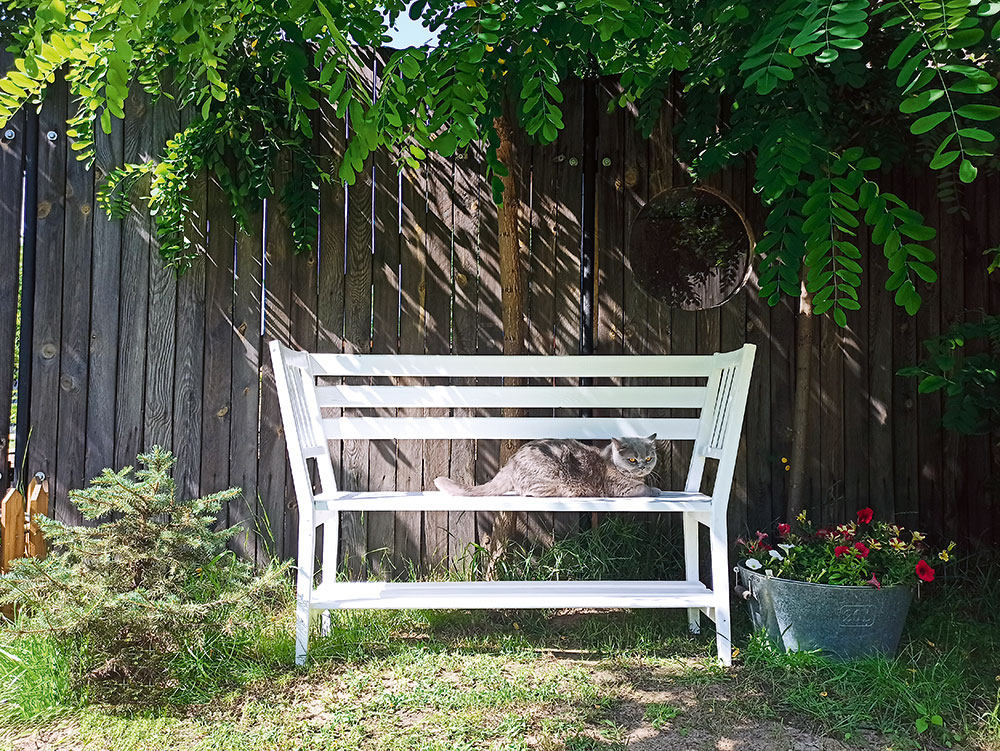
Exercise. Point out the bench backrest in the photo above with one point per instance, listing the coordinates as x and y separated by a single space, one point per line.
326 397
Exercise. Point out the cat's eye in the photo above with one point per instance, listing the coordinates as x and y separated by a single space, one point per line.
632 459
649 458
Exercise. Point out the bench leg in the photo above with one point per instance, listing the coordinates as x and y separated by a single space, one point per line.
720 586
304 585
691 566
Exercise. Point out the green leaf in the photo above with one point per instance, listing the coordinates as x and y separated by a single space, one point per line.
446 143
840 317
929 385
979 111
921 101
903 49
924 271
918 232
967 171
927 122
943 159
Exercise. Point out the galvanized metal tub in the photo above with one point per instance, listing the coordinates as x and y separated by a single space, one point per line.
843 622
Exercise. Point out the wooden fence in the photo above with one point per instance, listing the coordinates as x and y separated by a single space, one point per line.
126 355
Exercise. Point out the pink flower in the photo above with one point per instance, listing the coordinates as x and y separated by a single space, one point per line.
862 549
840 550
865 516
761 536
874 582
784 529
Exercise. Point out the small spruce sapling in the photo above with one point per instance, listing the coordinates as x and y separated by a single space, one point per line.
151 579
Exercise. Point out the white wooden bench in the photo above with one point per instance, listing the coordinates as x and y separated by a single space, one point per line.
311 384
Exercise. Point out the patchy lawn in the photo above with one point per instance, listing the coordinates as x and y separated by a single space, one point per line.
558 681
545 681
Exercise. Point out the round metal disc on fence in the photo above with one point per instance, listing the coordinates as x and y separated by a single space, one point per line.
690 248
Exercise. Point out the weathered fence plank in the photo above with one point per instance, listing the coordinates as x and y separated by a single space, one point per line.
51 177
105 290
11 182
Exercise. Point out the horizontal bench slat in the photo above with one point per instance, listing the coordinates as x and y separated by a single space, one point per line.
652 397
673 500
596 428
520 366
511 594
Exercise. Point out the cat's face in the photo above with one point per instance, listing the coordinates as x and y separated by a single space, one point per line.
634 456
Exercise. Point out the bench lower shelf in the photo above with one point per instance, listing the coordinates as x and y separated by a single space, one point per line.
511 594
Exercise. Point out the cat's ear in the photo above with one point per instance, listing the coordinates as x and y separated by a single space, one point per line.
651 438
616 443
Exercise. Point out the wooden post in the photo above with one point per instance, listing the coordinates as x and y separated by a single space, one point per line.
12 523
12 528
38 503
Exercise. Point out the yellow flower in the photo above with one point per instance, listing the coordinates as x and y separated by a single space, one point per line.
801 517
897 544
736 652
917 537
875 545
943 555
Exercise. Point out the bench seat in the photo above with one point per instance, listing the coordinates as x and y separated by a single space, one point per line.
511 594
673 500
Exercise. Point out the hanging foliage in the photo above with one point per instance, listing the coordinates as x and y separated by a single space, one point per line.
818 94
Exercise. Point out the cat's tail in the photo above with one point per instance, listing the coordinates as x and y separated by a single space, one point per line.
499 485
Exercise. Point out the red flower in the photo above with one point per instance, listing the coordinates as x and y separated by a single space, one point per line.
784 529
862 549
874 582
765 546
865 515
924 571
840 550
824 533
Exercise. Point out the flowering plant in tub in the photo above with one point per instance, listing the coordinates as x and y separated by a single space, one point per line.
844 589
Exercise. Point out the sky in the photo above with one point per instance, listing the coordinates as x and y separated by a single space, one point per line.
409 33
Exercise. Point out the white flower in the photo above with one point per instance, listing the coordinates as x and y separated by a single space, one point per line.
776 555
753 564
785 546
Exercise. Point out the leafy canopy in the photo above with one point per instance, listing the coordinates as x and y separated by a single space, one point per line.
818 94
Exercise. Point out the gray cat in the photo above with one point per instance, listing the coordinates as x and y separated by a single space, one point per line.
568 468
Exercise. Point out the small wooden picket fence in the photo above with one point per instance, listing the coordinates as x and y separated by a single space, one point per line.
20 536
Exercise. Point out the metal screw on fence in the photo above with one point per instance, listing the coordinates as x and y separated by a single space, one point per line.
573 161
9 134
606 161
52 135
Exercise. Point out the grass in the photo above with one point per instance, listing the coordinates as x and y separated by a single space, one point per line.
536 680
